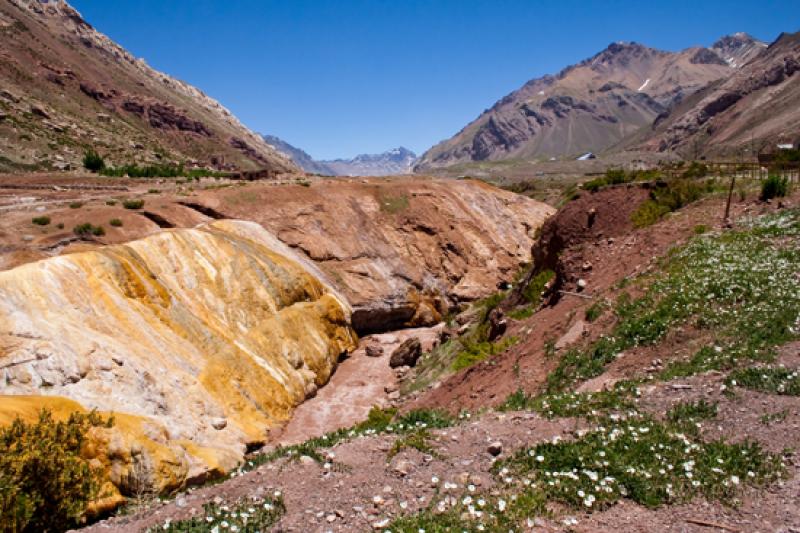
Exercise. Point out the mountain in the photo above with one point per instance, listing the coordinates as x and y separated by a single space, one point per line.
65 87
757 106
396 161
593 105
299 156
392 162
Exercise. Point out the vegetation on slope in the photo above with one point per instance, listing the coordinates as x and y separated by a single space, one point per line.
45 484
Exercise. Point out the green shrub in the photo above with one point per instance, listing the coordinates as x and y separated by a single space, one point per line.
76 205
60 225
774 187
44 483
648 214
117 223
41 221
133 204
695 170
111 202
700 229
86 229
93 162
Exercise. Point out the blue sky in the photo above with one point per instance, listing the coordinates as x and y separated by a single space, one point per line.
342 77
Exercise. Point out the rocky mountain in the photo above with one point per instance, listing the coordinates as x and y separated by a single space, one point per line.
396 161
65 87
299 156
392 162
757 106
592 105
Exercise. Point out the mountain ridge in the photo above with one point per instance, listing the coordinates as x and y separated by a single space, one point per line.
398 160
591 105
64 83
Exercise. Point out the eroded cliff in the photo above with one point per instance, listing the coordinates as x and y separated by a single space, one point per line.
200 340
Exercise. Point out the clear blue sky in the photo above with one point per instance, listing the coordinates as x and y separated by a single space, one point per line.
342 77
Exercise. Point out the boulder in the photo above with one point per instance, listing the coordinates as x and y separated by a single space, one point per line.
497 324
406 354
374 350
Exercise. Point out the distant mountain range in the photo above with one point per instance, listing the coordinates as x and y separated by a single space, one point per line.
604 102
64 87
392 162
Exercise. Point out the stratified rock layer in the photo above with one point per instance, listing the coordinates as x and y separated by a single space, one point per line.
202 339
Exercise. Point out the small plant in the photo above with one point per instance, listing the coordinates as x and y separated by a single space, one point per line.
153 191
774 187
778 416
571 404
45 484
111 202
418 440
76 205
60 225
595 311
41 221
700 229
115 222
133 203
93 162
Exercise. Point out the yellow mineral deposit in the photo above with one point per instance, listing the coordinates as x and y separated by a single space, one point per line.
198 340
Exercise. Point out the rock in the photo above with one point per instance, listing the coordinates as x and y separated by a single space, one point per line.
374 350
219 423
406 354
394 395
586 266
403 467
495 448
39 112
306 460
581 284
388 389
497 324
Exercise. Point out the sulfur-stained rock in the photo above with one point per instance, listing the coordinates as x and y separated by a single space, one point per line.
199 341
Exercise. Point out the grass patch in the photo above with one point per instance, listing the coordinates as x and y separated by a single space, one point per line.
115 222
671 196
475 352
574 404
393 204
41 221
418 440
776 380
522 313
741 286
379 421
595 311
247 515
642 460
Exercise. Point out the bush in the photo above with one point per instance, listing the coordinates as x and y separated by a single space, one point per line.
76 205
44 483
774 187
86 229
93 162
41 221
133 204
117 223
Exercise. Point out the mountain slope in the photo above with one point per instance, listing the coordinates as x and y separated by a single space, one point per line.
392 162
757 106
592 105
65 87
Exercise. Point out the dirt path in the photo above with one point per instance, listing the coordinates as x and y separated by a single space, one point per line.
359 383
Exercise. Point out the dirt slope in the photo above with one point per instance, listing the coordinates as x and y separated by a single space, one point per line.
65 87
